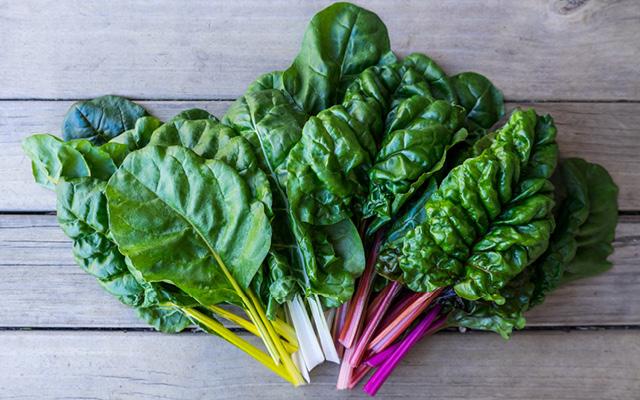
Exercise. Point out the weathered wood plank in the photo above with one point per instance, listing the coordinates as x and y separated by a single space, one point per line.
607 133
532 50
532 365
42 287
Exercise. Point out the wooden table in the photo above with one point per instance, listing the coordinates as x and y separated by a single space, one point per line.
62 337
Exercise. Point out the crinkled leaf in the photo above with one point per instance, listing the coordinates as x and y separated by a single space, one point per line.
100 119
82 215
484 224
179 218
483 101
328 166
338 261
391 248
438 82
422 133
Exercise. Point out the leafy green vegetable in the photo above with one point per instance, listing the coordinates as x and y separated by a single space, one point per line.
157 218
490 217
578 248
340 42
100 119
483 101
586 227
82 215
139 136
422 132
52 159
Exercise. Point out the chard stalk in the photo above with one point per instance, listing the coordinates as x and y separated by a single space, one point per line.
385 370
247 325
308 342
322 328
396 327
358 302
386 296
237 341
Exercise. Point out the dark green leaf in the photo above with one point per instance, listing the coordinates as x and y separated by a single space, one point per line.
483 101
101 119
340 42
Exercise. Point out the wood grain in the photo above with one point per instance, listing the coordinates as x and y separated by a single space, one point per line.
607 133
42 287
543 50
116 365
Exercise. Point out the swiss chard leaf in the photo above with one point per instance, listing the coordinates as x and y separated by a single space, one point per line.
483 101
82 215
52 159
101 119
421 133
490 217
340 42
587 218
139 136
156 203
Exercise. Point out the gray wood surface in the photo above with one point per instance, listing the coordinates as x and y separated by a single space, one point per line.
42 287
607 133
561 49
479 366
61 336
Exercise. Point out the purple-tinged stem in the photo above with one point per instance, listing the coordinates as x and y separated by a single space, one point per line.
358 303
384 371
390 291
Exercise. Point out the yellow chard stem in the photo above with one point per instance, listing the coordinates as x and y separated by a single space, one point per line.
237 341
286 357
286 331
243 323
249 309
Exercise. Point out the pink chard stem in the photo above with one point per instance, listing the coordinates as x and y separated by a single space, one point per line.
406 317
385 370
338 324
359 301
388 293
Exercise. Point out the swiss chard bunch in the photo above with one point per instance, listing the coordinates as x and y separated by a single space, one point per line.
351 165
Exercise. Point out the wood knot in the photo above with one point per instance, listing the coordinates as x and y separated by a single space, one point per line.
566 7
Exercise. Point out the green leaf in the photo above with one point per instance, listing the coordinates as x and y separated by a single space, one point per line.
100 119
211 139
328 166
139 136
340 42
271 124
486 223
339 260
587 218
164 319
82 215
178 217
421 133
414 214
52 159
438 82
489 316
483 101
